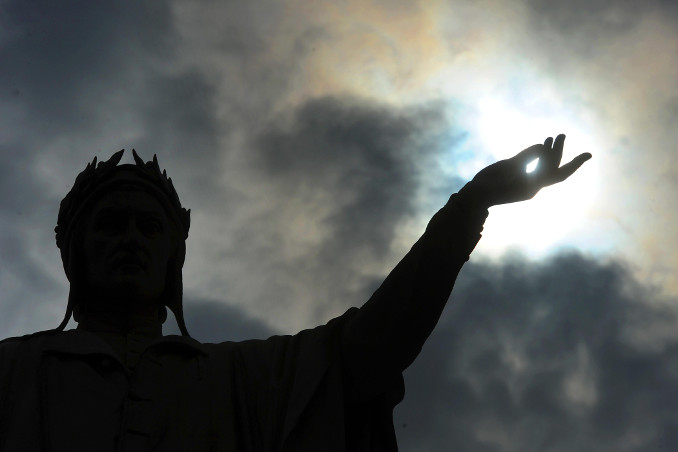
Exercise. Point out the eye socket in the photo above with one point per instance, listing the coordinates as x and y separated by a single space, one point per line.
108 223
150 226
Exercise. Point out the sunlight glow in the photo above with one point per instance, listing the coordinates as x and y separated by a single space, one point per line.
504 127
531 166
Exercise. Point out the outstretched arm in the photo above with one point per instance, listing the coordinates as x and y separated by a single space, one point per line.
387 333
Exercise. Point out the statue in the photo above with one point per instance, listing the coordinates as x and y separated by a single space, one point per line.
115 383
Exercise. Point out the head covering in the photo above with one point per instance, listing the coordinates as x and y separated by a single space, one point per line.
90 185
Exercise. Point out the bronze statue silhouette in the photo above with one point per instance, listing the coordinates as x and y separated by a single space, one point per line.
115 383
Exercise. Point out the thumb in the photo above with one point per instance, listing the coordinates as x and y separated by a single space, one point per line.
569 168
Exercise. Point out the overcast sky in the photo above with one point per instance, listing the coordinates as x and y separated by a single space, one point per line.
313 140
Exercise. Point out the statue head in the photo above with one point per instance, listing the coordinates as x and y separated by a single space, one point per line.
122 235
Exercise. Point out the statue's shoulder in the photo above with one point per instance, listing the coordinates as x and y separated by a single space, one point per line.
20 355
27 339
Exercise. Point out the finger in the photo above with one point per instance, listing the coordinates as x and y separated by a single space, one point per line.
550 161
548 142
556 154
568 169
544 166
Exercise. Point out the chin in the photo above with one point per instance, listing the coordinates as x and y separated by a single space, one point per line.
133 288
132 276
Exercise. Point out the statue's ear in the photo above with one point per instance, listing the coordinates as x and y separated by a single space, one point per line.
162 314
76 313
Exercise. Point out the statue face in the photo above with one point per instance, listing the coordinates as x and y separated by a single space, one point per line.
127 246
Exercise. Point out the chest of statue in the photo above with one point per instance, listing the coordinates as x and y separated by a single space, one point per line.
84 398
93 403
69 391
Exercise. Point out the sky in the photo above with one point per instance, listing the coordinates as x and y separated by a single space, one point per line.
313 140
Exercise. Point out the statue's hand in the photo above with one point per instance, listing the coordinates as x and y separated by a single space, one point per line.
507 180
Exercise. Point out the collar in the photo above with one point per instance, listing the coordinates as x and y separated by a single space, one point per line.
82 342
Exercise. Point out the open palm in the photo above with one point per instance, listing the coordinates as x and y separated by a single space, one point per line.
506 181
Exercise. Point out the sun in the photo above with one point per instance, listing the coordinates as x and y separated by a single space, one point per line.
540 225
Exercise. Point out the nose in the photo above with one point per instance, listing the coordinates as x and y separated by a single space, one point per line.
132 233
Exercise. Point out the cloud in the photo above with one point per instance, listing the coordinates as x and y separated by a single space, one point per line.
62 61
367 159
177 120
332 183
84 80
602 19
570 353
214 321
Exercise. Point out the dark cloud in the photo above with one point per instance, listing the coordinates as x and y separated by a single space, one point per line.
86 77
367 156
16 182
357 169
546 356
215 321
600 18
62 61
24 249
585 44
177 114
